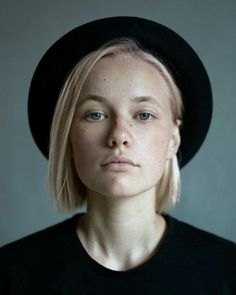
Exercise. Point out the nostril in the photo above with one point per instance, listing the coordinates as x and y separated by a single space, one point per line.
114 142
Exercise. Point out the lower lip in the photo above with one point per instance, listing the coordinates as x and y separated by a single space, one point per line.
118 166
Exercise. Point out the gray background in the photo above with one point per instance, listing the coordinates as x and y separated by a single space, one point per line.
28 28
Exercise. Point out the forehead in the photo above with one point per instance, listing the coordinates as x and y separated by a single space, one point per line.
111 74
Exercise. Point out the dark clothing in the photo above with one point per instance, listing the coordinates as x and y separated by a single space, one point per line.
53 261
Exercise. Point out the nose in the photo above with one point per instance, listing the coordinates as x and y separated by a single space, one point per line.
119 134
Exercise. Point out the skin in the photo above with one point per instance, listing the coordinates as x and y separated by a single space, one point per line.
121 229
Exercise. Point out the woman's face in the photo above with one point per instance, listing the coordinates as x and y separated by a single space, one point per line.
123 110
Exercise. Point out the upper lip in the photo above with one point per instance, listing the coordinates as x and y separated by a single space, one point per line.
118 159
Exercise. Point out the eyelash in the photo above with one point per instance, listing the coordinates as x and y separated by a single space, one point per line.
102 114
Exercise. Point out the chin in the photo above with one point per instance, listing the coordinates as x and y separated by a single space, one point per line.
126 192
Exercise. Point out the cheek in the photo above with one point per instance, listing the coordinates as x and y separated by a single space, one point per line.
158 145
84 145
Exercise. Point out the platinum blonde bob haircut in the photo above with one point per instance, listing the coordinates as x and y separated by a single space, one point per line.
68 192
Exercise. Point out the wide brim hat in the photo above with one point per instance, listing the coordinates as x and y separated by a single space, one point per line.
183 62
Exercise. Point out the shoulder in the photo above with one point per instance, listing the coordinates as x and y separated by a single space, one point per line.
206 253
193 237
38 255
37 247
49 235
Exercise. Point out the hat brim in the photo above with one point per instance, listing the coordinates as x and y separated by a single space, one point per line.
185 65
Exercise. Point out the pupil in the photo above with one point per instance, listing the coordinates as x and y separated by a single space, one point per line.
144 115
96 115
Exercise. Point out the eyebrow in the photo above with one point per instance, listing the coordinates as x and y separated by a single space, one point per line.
137 99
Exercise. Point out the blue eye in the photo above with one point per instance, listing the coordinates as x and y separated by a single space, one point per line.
95 116
145 117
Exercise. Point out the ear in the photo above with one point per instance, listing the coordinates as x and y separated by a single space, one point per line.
174 143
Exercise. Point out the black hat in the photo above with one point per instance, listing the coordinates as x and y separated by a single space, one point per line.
184 64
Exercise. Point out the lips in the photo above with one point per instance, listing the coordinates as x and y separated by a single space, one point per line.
118 159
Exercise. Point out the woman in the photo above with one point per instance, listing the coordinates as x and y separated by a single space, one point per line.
129 101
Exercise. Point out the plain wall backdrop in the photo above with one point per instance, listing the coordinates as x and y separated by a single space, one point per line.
29 28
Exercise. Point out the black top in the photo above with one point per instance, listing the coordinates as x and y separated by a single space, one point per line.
53 261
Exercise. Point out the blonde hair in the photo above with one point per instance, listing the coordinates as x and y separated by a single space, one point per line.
67 190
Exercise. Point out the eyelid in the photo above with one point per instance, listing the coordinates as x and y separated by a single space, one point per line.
94 112
138 113
149 113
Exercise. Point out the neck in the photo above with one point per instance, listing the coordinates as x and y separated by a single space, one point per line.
121 232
